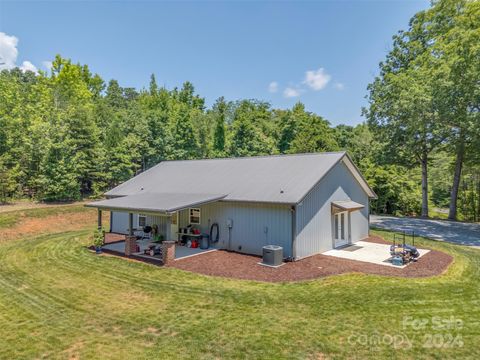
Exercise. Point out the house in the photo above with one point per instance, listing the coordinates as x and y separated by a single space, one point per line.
306 203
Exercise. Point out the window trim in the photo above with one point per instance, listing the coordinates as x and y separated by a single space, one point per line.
142 216
190 216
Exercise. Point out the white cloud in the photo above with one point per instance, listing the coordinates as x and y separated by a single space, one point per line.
9 54
316 79
47 65
8 51
339 86
28 66
273 87
290 92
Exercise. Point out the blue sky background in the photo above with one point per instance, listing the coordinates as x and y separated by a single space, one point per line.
234 49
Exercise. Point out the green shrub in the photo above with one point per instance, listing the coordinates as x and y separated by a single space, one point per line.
98 238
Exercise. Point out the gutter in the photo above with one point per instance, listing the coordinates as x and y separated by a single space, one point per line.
150 210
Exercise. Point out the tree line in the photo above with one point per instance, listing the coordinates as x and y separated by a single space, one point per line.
68 134
426 99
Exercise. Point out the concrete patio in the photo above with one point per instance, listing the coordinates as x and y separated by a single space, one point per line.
368 252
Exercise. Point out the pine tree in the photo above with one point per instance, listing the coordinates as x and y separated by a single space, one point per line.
313 133
58 180
7 181
219 109
153 85
185 144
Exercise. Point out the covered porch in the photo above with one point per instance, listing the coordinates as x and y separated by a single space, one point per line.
158 239
116 243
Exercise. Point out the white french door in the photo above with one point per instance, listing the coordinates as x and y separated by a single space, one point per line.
340 234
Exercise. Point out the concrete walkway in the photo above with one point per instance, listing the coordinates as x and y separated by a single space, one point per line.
443 230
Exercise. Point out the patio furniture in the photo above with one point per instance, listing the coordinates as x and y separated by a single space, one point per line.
147 232
143 233
153 250
401 250
184 237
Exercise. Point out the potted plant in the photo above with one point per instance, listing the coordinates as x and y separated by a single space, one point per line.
98 240
158 238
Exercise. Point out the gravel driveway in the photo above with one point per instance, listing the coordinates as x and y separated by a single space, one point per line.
451 231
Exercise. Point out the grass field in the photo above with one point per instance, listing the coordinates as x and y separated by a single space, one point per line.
59 300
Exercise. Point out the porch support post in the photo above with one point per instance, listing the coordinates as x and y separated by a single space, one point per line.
168 230
130 224
99 221
168 252
130 240
168 246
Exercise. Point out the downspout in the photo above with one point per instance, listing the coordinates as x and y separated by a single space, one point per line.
368 204
294 232
130 224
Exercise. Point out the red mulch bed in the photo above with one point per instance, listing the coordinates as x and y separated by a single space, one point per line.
240 266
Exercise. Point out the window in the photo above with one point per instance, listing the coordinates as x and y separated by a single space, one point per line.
195 216
175 218
336 226
142 221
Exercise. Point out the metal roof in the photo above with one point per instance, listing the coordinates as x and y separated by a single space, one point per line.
155 202
283 179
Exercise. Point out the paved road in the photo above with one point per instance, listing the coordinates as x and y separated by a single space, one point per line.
451 231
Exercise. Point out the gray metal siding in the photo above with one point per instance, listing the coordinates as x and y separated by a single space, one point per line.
254 225
161 221
120 222
314 219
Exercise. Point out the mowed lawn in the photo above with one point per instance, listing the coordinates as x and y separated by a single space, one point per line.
59 300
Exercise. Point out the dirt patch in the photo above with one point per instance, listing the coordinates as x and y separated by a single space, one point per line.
113 238
65 221
239 266
26 205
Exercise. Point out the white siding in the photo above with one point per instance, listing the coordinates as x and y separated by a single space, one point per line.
314 223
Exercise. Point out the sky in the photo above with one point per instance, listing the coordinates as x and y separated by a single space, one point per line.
322 53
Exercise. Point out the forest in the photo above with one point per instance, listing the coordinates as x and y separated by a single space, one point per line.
68 134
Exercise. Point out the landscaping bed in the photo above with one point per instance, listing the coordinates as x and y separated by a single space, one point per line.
241 266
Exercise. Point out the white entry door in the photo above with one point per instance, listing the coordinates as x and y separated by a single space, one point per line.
340 228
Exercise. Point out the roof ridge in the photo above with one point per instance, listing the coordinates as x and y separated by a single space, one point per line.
256 156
